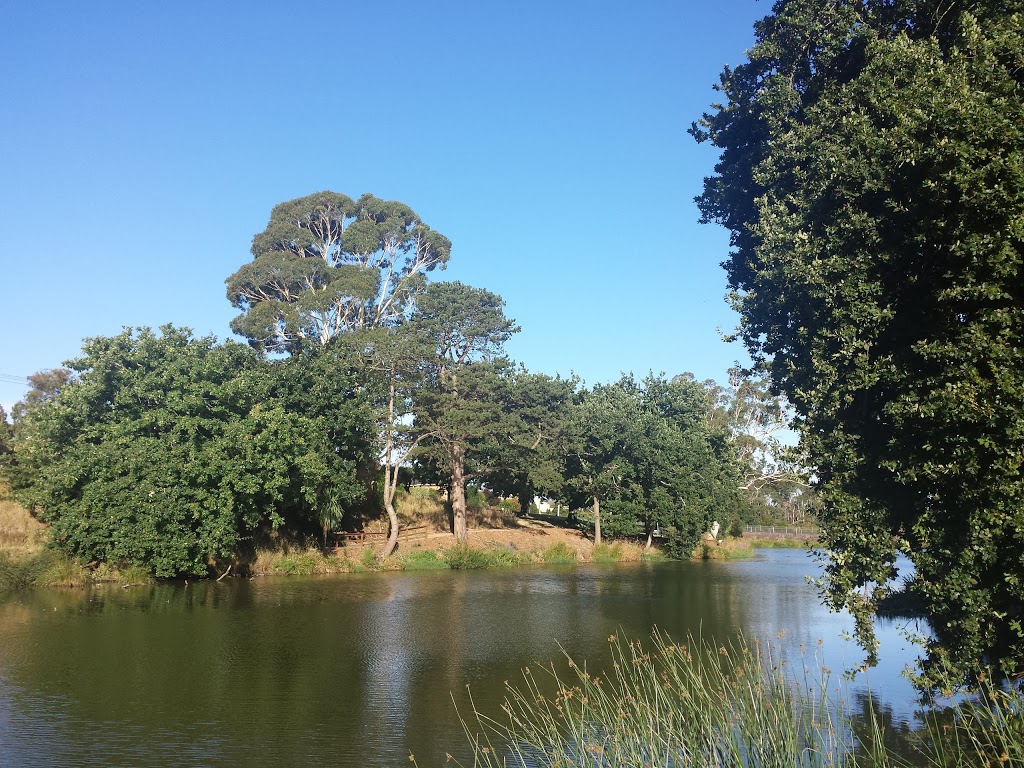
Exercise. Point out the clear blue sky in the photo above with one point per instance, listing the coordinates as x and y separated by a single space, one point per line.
142 145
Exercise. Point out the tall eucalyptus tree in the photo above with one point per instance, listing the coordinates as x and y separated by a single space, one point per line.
327 265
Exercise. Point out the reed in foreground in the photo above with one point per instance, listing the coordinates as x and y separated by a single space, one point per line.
702 706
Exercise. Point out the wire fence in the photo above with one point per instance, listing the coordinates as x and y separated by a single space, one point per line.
780 530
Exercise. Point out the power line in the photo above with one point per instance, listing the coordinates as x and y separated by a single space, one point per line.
10 378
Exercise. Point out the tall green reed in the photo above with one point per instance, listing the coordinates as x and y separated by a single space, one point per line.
703 705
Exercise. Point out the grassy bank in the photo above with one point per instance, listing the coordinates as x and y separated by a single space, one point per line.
726 549
757 543
47 568
704 705
442 555
498 538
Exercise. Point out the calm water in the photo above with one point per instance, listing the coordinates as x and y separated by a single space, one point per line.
360 670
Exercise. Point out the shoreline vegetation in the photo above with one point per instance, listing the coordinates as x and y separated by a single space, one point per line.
698 703
497 538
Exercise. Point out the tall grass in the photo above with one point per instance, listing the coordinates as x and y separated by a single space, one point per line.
20 573
607 553
19 531
44 568
726 549
463 557
987 730
702 706
421 560
559 554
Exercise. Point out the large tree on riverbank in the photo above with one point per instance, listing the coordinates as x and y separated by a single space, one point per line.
328 268
872 179
645 455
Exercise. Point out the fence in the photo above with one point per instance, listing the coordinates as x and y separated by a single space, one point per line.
780 531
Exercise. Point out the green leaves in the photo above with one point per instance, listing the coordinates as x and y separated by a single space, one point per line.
647 452
172 452
871 177
327 265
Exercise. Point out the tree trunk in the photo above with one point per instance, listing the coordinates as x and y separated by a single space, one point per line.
525 500
392 542
597 521
650 538
390 479
458 493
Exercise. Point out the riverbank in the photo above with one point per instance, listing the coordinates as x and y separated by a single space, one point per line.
497 538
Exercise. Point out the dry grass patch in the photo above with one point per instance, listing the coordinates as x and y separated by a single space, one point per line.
426 505
728 548
20 533
422 505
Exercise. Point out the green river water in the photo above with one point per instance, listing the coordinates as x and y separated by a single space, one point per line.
360 670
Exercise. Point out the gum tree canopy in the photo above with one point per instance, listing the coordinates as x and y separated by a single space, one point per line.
327 264
872 178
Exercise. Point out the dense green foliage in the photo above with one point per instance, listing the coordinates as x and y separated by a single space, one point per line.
171 452
646 451
528 459
872 179
326 265
5 432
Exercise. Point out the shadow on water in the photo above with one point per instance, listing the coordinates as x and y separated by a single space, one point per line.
362 669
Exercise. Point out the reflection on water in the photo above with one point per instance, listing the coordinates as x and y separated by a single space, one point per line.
361 669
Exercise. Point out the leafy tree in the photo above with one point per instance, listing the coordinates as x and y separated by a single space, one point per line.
326 265
325 391
646 458
603 424
392 360
172 452
460 403
530 460
693 475
5 432
872 179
